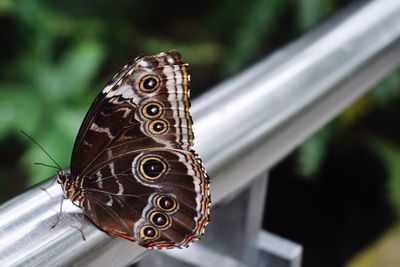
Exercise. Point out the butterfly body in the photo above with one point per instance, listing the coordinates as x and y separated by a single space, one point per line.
133 170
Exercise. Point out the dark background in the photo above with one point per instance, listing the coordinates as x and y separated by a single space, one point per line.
337 194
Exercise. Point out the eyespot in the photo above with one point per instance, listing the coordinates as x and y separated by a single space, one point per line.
152 110
166 203
148 232
159 219
152 168
157 127
149 83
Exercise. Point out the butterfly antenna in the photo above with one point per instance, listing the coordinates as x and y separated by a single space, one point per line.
36 143
46 165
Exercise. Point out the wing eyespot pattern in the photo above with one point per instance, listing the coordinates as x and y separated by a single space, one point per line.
152 167
158 127
166 203
159 219
148 232
152 110
149 83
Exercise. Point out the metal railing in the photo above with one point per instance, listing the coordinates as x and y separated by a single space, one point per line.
242 127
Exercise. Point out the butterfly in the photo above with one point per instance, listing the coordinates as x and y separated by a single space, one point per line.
133 171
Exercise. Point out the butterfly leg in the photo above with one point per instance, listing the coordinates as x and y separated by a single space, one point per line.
80 228
44 188
59 213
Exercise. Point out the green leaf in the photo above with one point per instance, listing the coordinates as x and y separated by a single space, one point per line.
74 72
58 139
32 155
80 65
200 53
390 155
7 115
6 6
312 152
20 108
259 18
68 121
387 90
313 11
221 17
33 14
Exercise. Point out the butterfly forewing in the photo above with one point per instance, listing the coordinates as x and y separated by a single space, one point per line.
132 168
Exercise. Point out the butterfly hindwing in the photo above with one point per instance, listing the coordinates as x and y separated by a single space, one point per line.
174 175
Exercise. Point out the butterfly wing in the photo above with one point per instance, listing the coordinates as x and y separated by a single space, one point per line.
165 204
133 152
121 107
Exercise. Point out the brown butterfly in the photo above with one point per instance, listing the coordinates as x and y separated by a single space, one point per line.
133 171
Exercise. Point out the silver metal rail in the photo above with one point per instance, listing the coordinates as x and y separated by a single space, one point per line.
243 127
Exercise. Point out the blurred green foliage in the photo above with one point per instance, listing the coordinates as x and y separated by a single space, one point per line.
56 55
390 154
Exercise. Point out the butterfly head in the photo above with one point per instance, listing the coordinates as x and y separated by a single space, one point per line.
64 179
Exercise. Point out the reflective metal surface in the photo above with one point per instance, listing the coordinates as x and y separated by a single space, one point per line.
242 128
